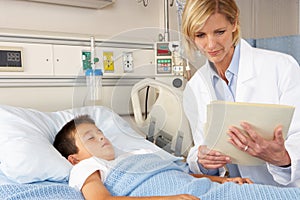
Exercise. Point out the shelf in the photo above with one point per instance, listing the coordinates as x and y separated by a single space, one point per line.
94 4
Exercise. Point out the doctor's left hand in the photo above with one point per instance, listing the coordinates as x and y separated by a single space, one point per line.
272 151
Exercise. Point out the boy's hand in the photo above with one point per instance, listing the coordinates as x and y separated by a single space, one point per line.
219 179
181 197
238 180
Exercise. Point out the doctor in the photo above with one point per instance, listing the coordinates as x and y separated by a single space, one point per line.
234 71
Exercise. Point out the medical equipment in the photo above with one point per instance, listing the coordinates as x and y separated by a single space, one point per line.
94 83
170 64
93 75
11 59
171 67
165 123
168 59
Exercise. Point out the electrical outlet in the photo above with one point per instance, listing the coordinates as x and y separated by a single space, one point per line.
127 62
108 61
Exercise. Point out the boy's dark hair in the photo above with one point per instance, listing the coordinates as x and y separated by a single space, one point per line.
64 141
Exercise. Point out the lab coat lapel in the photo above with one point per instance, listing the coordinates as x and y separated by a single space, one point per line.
246 75
206 77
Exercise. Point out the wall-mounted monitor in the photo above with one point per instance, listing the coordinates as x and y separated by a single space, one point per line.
11 59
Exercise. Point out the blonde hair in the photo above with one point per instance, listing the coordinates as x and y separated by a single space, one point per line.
196 12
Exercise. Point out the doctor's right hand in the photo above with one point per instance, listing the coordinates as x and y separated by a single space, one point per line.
211 159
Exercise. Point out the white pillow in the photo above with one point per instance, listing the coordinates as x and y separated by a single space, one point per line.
26 138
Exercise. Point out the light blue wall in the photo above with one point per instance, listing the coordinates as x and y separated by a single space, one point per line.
285 44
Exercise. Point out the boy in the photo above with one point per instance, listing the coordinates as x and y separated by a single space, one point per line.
93 157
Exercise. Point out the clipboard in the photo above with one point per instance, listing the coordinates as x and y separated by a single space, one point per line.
264 118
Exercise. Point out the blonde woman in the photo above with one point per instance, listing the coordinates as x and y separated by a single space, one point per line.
235 71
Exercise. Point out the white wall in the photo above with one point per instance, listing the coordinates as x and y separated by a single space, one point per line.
124 20
123 15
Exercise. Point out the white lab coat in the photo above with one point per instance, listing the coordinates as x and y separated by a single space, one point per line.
264 77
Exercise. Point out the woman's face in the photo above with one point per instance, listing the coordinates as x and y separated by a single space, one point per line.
215 39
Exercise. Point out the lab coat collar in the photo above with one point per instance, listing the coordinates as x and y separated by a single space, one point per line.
247 73
246 69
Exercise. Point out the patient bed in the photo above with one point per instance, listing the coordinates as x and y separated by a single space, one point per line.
30 167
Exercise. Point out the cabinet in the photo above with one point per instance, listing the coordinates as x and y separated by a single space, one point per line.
269 18
48 59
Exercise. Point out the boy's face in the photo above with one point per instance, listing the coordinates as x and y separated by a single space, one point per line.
91 142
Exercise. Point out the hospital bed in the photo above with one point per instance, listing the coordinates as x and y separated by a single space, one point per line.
31 168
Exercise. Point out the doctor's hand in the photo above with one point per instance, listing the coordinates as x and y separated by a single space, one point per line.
211 159
272 151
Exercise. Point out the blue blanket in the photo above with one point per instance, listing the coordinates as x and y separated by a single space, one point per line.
38 191
149 175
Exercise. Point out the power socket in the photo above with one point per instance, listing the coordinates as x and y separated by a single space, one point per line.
127 61
108 61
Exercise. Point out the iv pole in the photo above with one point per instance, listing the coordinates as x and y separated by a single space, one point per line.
166 21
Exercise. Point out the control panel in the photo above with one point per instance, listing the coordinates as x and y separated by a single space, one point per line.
11 59
168 59
163 59
170 65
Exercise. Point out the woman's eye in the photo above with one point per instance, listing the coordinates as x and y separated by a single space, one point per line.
220 32
200 35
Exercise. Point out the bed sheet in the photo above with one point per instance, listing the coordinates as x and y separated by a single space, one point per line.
4 179
38 191
10 190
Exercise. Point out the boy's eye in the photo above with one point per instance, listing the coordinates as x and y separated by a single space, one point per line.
88 137
91 138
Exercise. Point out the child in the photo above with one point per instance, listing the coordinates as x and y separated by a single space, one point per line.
98 175
80 140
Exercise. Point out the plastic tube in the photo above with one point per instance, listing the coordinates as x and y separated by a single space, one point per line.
94 83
